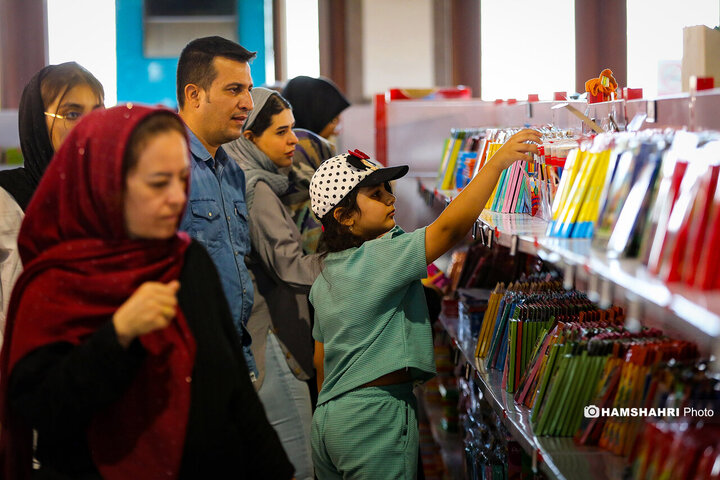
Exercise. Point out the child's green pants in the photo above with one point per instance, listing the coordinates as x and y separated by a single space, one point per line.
369 433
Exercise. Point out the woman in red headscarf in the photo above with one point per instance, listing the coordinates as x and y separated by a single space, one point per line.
120 351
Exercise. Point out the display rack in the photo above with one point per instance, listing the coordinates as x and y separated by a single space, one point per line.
558 458
450 444
416 130
681 311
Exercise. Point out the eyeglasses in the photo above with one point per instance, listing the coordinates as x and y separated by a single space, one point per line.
68 119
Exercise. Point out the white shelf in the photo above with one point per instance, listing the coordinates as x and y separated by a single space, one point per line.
698 310
681 311
557 457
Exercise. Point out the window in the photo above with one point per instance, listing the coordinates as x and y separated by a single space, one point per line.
68 39
655 41
527 47
302 45
172 8
170 24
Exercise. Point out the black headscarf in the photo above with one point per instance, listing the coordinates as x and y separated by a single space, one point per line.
315 102
35 143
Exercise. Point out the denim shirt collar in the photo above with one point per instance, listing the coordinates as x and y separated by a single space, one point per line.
201 153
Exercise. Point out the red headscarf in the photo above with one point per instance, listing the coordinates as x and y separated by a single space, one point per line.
80 266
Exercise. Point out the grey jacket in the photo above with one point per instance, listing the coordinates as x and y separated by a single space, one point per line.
282 275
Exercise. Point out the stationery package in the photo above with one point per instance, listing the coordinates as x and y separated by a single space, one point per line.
559 354
529 187
525 187
650 195
581 191
458 158
682 449
691 224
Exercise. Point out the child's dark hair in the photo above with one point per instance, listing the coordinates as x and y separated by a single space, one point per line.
336 237
275 104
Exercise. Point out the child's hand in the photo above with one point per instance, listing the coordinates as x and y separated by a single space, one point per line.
455 221
516 148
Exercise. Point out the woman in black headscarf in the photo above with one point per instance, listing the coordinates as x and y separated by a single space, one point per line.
316 103
51 104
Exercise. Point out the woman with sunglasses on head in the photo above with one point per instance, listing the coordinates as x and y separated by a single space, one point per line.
51 104
121 353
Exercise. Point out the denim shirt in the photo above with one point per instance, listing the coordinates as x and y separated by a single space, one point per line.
217 217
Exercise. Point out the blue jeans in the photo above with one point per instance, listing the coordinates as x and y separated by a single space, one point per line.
250 360
287 406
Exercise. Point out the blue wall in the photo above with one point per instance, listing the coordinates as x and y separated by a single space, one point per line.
152 80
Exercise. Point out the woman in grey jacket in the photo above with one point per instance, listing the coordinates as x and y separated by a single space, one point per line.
282 273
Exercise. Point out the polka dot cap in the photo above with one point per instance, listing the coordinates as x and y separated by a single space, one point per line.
339 175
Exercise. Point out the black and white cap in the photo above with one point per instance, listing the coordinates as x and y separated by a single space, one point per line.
339 175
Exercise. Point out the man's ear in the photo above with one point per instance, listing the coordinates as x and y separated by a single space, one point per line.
192 95
248 134
343 219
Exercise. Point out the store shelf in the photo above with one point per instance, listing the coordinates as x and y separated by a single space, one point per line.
450 444
431 195
698 310
558 458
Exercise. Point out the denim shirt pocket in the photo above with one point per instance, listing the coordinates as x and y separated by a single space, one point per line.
241 237
241 212
206 226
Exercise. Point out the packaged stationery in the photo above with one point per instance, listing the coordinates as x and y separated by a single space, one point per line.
451 150
625 238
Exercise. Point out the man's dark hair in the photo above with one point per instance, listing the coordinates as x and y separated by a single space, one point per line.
196 62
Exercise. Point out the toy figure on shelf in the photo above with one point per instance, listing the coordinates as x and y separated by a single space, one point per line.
603 88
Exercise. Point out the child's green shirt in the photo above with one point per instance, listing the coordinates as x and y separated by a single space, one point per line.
370 312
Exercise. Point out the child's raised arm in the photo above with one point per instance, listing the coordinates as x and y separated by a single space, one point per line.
455 221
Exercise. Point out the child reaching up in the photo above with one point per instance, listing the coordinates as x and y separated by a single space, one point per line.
372 332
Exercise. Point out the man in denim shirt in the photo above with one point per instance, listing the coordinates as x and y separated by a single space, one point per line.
213 90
